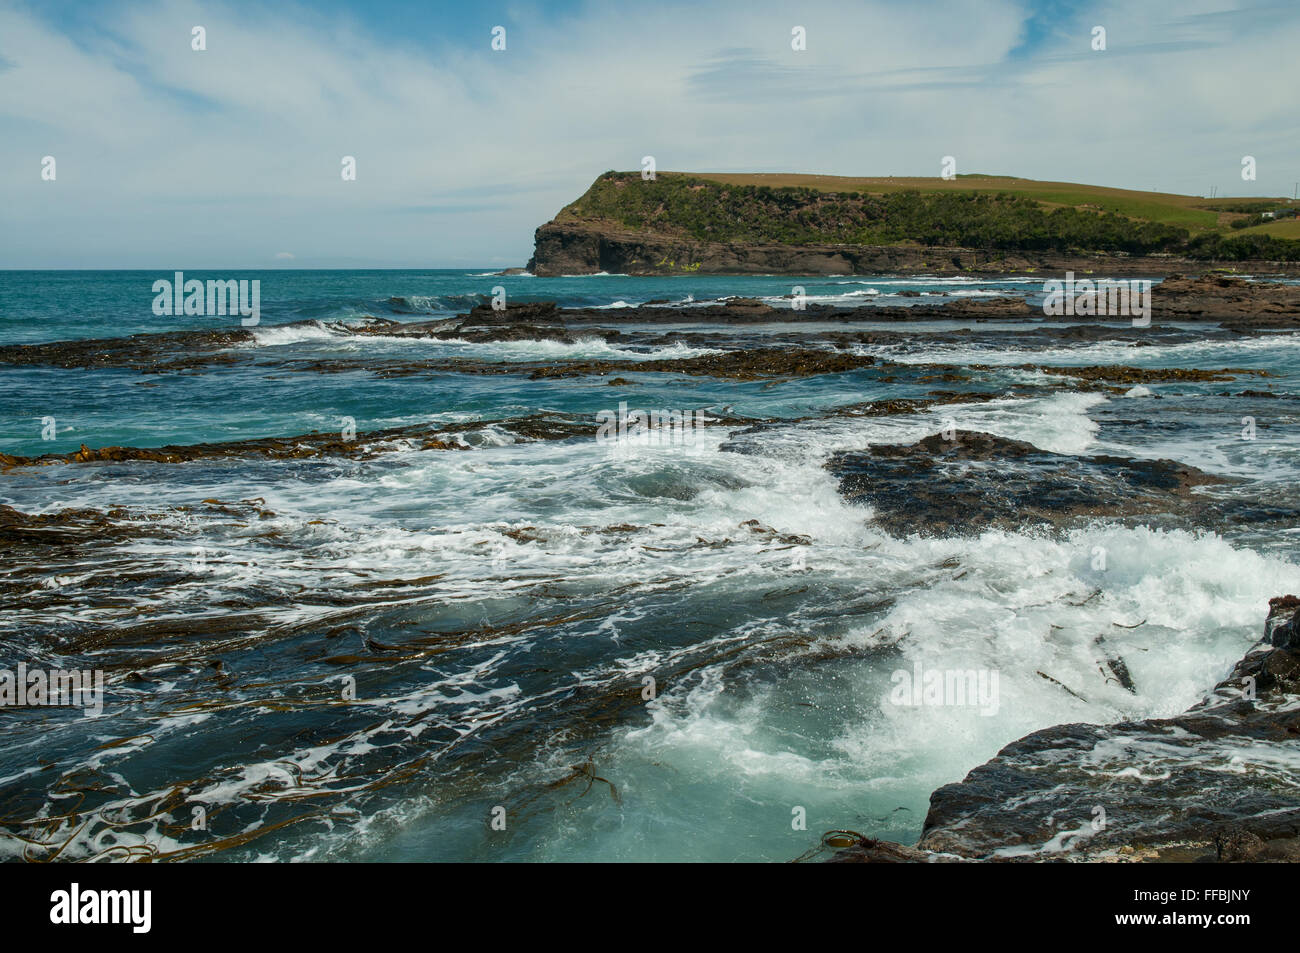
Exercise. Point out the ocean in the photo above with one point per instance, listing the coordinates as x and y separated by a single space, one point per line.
509 647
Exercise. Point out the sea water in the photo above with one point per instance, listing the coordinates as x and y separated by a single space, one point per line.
542 650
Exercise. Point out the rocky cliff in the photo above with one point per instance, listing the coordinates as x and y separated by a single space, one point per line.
680 224
588 249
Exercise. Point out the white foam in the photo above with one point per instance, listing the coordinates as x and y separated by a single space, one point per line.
730 749
530 350
1144 354
294 334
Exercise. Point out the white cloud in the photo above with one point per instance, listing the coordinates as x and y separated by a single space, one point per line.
170 157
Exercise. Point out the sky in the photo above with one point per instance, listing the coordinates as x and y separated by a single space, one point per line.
168 157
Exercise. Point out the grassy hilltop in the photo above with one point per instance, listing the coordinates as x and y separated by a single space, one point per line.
973 211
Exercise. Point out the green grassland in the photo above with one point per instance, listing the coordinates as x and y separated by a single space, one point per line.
978 211
1186 210
1289 229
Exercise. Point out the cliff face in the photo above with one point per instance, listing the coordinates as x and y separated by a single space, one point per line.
581 249
591 248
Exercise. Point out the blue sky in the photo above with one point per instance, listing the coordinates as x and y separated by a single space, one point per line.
230 157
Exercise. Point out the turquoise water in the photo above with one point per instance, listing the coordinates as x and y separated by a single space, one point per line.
498 609
62 305
124 407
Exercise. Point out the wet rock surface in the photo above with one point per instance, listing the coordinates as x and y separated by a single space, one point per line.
469 435
463 436
169 350
965 483
735 365
1216 783
1218 778
1115 374
1232 300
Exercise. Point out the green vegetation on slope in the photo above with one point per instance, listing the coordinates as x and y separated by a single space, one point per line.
1190 211
704 208
1287 228
1240 247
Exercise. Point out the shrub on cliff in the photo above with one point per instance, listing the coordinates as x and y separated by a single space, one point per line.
1244 247
713 211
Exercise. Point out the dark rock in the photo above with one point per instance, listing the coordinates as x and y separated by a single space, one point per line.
871 851
457 436
1232 300
1282 628
589 247
1213 783
750 364
966 482
514 312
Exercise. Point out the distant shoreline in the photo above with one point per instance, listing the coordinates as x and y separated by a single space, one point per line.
687 223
